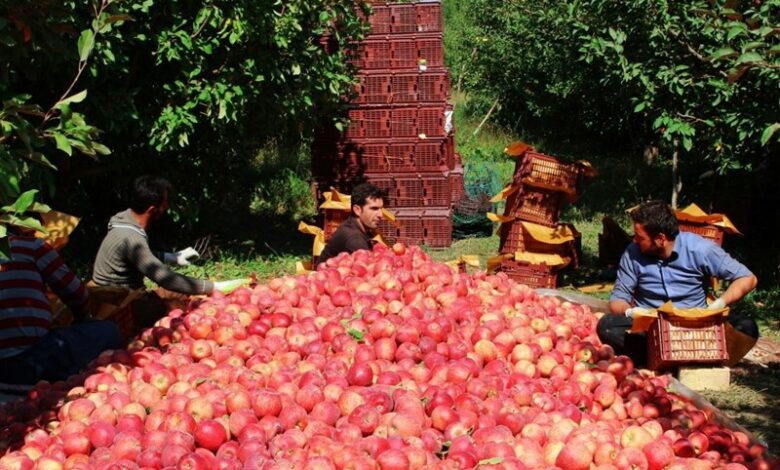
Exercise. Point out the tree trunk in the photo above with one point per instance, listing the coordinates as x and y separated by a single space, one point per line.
463 68
676 181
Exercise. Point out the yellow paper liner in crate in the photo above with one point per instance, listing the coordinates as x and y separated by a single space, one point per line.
686 337
115 304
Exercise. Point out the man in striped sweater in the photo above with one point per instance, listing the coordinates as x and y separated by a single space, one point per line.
29 350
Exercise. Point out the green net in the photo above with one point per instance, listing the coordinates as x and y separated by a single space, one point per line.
481 182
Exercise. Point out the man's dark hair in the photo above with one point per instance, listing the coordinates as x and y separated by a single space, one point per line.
365 191
148 191
656 217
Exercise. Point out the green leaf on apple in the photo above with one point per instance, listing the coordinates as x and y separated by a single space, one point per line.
357 334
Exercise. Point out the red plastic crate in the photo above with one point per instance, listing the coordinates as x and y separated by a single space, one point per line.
380 18
403 122
674 342
535 205
457 189
404 18
436 190
373 53
376 123
430 121
404 88
355 128
408 230
429 19
368 157
405 52
421 190
710 232
430 51
433 86
437 227
514 238
332 220
431 155
543 171
532 275
374 88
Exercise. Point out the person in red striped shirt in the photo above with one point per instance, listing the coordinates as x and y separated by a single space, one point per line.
30 350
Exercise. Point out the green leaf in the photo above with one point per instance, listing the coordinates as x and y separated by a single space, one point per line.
769 132
638 108
28 222
5 250
63 144
724 53
3 231
85 44
116 18
23 202
357 334
75 98
38 158
750 57
491 461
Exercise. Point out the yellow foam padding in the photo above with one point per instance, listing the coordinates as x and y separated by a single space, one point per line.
336 200
542 258
515 149
596 288
642 322
550 235
471 260
499 218
505 193
494 262
303 267
59 226
319 237
378 238
695 214
589 171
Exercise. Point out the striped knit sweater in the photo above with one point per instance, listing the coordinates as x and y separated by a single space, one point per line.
25 313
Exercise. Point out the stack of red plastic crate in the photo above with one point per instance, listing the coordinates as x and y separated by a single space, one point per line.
540 187
400 135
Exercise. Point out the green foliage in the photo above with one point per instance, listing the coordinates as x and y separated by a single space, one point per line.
189 90
17 215
633 77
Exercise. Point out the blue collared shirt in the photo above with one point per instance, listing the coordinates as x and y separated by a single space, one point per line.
649 282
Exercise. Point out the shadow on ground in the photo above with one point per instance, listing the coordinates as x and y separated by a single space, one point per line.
752 400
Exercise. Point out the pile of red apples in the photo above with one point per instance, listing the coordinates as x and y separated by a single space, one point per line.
379 360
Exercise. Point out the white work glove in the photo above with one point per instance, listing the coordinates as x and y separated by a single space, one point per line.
717 304
227 287
630 312
181 258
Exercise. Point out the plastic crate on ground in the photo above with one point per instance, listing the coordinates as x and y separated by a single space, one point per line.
437 227
673 342
535 205
513 238
543 171
532 275
457 188
332 220
710 232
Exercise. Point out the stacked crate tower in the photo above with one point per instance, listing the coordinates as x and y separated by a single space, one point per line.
541 185
400 135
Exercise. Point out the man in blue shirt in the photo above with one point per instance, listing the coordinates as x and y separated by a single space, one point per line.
665 264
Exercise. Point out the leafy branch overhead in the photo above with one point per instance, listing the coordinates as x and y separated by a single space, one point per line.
704 73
